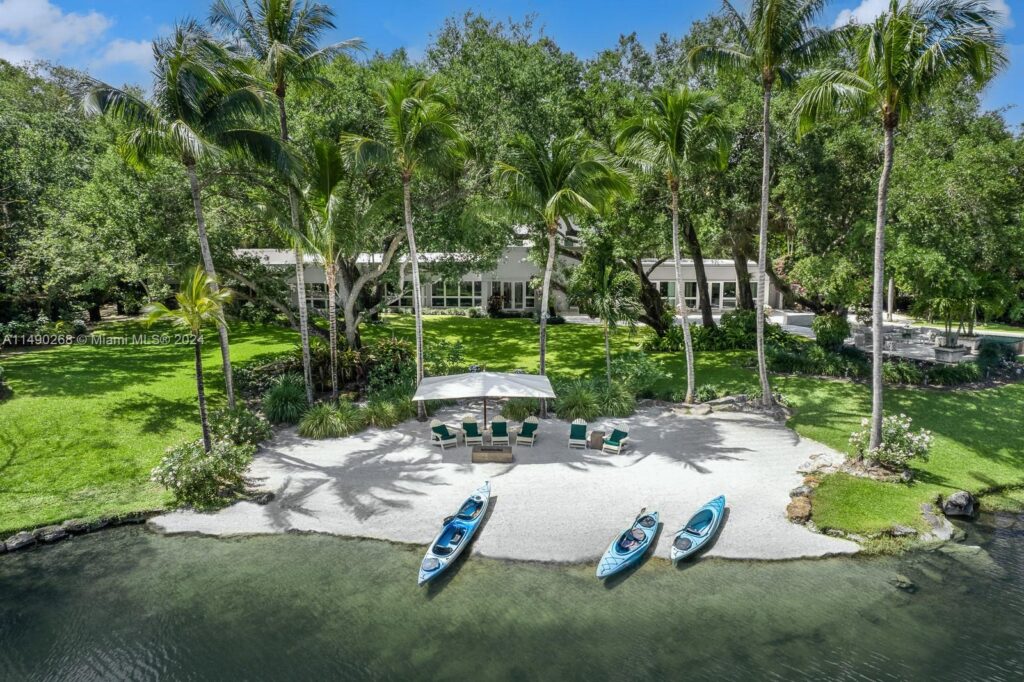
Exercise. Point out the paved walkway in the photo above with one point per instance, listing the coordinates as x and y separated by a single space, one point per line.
552 504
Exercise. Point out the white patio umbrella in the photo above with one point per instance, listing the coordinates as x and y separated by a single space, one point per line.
484 385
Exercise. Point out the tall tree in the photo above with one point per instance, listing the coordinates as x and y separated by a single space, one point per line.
201 303
683 131
283 36
550 183
901 59
420 135
202 105
602 288
774 38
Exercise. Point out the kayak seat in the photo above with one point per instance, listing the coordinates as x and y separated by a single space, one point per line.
456 538
442 550
638 534
469 511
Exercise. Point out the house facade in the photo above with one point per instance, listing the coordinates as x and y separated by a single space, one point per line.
511 281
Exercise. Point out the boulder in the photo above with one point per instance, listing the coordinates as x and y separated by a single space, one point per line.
799 510
960 503
801 491
48 534
902 582
700 409
724 400
3 547
899 531
76 526
19 541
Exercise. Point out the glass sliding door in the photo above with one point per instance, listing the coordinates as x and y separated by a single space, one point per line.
728 295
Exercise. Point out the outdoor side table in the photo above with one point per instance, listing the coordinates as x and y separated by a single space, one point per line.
596 440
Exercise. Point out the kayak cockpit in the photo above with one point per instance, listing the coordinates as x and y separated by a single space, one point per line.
700 523
449 540
471 509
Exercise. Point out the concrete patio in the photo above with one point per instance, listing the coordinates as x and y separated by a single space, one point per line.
552 503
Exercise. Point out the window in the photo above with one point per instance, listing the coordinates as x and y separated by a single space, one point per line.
753 292
729 295
668 292
404 301
461 294
715 293
690 294
514 295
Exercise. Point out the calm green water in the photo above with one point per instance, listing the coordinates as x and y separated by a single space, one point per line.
128 604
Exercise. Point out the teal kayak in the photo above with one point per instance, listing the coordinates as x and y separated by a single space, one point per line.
699 530
456 532
630 546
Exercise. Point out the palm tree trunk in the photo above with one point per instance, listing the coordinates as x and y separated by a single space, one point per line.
332 320
878 289
744 298
762 246
421 408
300 275
890 299
704 296
204 250
607 354
201 393
545 293
684 312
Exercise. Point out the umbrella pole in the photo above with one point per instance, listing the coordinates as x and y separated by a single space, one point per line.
485 413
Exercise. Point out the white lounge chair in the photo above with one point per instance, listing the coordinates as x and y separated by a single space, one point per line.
578 434
614 443
499 432
471 432
441 435
528 432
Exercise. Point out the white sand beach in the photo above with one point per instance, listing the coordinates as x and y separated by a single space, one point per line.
552 503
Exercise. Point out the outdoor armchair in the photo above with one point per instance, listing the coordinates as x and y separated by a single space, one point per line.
441 435
578 434
528 432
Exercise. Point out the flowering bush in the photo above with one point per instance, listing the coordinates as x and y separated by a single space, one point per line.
239 426
899 443
196 477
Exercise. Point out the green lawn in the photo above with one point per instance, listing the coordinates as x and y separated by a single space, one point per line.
87 423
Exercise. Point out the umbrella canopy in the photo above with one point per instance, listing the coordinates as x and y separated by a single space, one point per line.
484 385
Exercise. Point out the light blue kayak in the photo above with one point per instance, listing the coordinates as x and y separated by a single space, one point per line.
699 530
455 534
627 549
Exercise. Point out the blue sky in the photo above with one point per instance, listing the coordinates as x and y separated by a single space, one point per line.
110 38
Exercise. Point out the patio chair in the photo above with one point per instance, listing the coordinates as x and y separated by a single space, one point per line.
614 443
578 434
440 435
471 432
499 432
528 432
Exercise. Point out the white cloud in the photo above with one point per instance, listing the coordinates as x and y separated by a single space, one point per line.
120 51
868 10
37 29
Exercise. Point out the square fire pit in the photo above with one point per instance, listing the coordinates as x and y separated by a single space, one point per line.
483 454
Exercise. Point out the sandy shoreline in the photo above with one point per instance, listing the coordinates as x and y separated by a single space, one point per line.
553 504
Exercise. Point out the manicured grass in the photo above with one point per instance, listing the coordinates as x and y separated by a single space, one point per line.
86 423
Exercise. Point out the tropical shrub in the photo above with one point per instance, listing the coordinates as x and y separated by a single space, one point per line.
576 399
812 359
330 420
518 409
671 342
441 358
706 392
901 372
285 400
239 426
382 413
754 396
954 375
994 353
638 372
614 399
203 479
900 444
830 331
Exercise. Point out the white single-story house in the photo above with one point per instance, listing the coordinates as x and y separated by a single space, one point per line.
511 277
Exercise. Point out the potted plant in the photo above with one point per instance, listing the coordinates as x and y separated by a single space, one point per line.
947 343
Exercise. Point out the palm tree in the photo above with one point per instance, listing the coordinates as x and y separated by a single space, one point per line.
684 131
282 36
603 290
550 183
900 60
420 135
201 107
775 37
200 303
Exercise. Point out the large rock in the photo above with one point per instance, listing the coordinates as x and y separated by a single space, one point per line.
50 534
799 510
20 540
960 503
76 526
700 409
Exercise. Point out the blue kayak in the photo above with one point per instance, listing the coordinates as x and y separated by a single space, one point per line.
627 549
455 534
699 530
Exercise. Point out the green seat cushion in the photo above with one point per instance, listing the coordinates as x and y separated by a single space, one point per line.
616 436
499 429
442 431
471 429
528 429
578 431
